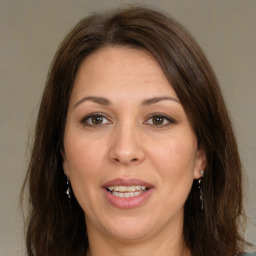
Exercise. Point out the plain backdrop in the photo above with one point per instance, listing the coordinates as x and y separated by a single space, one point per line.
30 32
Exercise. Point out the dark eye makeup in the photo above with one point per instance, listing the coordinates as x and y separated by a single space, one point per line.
158 120
95 119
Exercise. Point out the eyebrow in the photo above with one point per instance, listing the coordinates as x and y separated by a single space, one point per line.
155 100
105 102
99 100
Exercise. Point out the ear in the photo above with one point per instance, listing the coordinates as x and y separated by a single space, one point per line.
64 163
200 164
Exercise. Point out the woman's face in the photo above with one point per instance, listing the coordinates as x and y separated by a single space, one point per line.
129 150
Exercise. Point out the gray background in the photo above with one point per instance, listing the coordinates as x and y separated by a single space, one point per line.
30 32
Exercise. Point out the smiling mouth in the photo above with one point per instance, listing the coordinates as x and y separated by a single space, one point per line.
127 191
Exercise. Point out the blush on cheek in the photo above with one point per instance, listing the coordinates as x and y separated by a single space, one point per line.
177 164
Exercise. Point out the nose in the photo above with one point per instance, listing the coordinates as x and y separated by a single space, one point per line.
126 146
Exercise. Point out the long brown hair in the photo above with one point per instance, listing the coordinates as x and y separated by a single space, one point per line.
56 225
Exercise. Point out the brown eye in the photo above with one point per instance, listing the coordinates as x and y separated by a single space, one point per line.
95 120
159 120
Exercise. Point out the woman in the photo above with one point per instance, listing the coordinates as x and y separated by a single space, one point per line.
134 152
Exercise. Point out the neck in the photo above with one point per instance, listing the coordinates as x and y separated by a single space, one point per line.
138 250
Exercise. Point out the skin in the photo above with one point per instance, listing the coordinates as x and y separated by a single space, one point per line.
127 142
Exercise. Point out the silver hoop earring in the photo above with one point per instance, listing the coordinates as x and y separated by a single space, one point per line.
68 190
200 186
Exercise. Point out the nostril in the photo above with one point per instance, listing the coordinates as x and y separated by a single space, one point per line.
133 160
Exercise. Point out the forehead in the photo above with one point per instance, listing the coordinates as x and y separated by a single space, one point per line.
121 70
111 54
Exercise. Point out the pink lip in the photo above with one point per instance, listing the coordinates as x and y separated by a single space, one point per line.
127 182
127 203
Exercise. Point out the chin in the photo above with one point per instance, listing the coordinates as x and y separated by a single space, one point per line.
127 229
131 234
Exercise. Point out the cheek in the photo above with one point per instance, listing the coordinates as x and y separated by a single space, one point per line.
176 156
175 163
83 158
176 168
84 161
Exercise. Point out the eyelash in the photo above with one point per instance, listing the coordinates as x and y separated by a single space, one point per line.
86 118
167 119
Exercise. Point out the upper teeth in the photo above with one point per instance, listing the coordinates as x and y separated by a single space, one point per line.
126 188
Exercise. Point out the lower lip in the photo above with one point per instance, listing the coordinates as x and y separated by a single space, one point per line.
128 203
